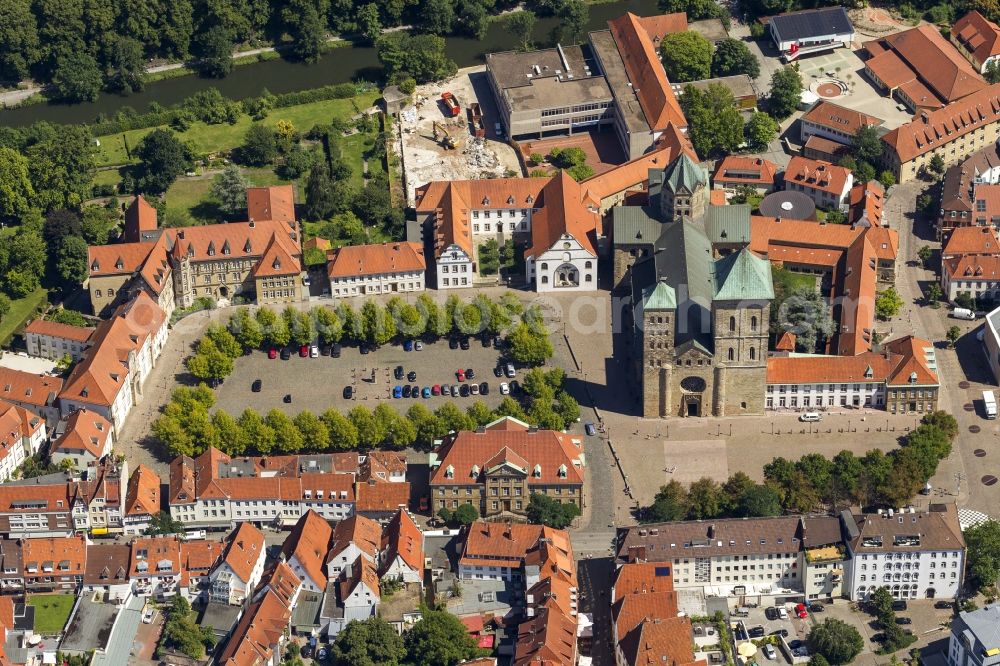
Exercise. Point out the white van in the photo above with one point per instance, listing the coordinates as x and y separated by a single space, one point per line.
810 417
963 313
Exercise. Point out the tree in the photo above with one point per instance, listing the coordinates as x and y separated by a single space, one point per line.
528 346
479 413
759 501
837 641
924 254
127 70
733 57
64 316
465 514
164 157
315 434
881 600
439 638
320 193
786 89
806 314
234 442
866 145
887 179
230 188
954 333
715 123
669 504
246 329
369 429
16 191
215 46
287 438
421 56
453 419
573 16
705 499
521 24
19 44
182 633
543 510
936 165
489 257
209 362
305 22
888 303
97 223
379 326
983 555
162 523
943 421
342 433
71 260
328 325
260 146
437 16
367 19
76 77
224 340
369 642
259 436
695 9
760 130
429 427
686 56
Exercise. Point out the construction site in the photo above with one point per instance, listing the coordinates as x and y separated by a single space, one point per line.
451 133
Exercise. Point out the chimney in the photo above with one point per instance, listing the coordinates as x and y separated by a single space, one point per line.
508 531
711 531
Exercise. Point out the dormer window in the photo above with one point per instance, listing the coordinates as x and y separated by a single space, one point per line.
247 247
449 472
96 266
475 471
510 200
119 264
562 471
211 248
868 372
537 472
913 377
486 201
225 248
276 265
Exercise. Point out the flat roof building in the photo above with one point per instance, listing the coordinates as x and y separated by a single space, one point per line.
811 31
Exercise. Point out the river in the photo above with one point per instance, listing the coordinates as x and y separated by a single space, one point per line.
280 76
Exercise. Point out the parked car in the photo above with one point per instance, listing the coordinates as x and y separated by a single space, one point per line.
756 632
398 372
485 341
407 345
509 370
780 632
348 392
363 348
464 391
436 389
321 654
411 376
878 638
414 391
769 651
427 391
796 644
474 388
817 608
899 605
397 391
771 613
335 350
497 342
484 388
944 605
810 417
314 351
498 371
782 614
460 374
304 351
407 390
418 345
903 620
470 373
445 390
147 615
514 386
452 343
285 354
287 399
272 353
589 428
800 611
464 344
256 386
504 388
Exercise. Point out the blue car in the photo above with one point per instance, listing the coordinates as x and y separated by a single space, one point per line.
408 345
589 428
397 392
427 392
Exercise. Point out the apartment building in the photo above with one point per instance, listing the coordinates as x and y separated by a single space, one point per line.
236 575
823 557
353 537
82 437
498 467
11 567
363 270
735 171
199 557
52 340
960 205
306 549
828 185
879 380
260 635
975 638
155 566
40 509
53 563
977 276
22 434
107 572
215 489
109 380
36 393
978 39
402 550
142 500
834 122
953 132
916 554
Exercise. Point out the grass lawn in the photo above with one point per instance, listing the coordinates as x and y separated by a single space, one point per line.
217 138
20 310
802 281
192 193
51 611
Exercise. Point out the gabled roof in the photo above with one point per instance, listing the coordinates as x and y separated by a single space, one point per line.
665 641
309 543
360 571
659 296
374 496
107 564
16 424
978 35
743 276
87 431
935 529
243 240
27 387
364 533
817 175
275 203
972 267
259 630
143 495
244 549
56 330
277 260
745 170
905 361
361 260
972 240
866 201
628 175
117 259
642 578
402 538
159 554
140 219
646 73
809 23
839 118
563 212
62 554
935 128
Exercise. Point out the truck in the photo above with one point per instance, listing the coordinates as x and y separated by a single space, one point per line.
476 120
990 404
963 313
451 104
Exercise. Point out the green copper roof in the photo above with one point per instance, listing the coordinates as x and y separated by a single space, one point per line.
634 225
684 173
728 224
742 276
660 296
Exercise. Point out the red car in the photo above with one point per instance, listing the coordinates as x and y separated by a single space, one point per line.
304 351
272 353
460 373
436 389
800 611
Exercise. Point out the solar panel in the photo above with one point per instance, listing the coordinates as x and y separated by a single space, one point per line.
662 571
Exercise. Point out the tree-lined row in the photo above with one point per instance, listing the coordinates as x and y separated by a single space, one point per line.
814 481
188 426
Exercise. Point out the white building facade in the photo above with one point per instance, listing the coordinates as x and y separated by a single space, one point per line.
454 269
566 266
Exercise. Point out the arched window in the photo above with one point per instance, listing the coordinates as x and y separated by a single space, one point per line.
545 266
753 354
753 323
732 325
732 354
588 264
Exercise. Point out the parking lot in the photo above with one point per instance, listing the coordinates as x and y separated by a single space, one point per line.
797 628
317 384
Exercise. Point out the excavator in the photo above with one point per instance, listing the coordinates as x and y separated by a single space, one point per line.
442 136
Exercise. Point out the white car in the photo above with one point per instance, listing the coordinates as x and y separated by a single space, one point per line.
314 351
418 345
504 388
147 616
769 651
782 613
810 417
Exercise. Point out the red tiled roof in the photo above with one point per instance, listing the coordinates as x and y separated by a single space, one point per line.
547 449
149 552
663 24
275 203
936 128
243 550
978 35
259 630
57 330
403 538
117 259
381 496
143 495
54 551
839 118
745 170
866 203
972 240
973 267
240 239
360 260
86 430
309 543
642 578
20 386
139 217
661 641
817 175
563 213
277 260
363 532
645 71
898 359
628 175
786 342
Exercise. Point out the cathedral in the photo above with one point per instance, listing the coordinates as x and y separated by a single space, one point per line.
699 299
